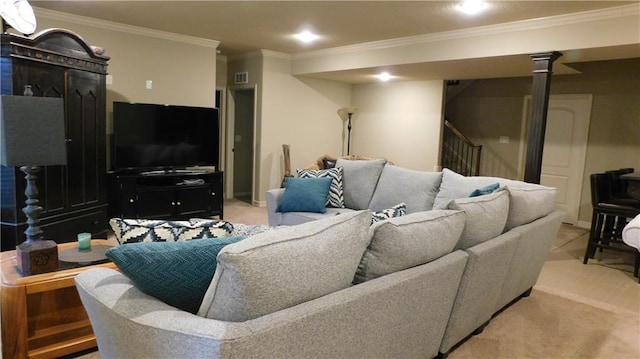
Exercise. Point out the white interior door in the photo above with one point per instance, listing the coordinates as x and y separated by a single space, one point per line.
565 148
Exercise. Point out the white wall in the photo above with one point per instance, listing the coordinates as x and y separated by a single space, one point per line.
298 112
400 121
182 68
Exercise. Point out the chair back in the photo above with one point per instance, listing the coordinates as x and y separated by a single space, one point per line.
600 188
617 185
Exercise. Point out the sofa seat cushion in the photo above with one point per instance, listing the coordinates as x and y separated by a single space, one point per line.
286 266
146 230
486 217
359 181
295 218
408 241
176 273
417 189
336 191
522 195
305 195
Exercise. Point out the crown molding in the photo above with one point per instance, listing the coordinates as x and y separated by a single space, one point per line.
529 24
129 29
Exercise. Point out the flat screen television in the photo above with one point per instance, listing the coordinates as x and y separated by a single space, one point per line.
168 137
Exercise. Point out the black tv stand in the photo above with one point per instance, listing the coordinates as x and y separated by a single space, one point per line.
166 194
172 172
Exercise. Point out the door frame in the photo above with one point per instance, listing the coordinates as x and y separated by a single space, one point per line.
582 149
229 135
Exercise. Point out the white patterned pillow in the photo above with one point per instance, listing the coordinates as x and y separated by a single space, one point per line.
398 210
336 192
144 230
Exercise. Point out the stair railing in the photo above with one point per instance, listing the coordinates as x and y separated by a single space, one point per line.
459 154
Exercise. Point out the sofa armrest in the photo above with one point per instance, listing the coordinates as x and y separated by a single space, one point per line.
130 324
119 312
273 198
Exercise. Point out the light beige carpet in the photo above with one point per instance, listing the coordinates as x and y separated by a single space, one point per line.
550 324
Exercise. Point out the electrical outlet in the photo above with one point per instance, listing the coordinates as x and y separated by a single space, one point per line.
149 84
109 80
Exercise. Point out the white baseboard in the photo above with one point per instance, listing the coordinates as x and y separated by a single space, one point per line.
584 224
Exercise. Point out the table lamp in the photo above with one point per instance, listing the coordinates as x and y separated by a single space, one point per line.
32 134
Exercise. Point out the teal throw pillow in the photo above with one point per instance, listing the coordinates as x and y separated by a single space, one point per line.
305 195
178 273
485 190
336 191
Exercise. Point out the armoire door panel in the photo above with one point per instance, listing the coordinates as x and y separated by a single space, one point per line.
45 80
52 199
85 129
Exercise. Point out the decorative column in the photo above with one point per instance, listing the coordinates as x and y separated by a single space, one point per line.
538 119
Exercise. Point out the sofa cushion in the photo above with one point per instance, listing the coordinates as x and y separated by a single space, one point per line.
409 241
526 204
305 195
398 210
336 192
455 185
486 217
286 266
145 230
417 189
359 181
527 201
176 273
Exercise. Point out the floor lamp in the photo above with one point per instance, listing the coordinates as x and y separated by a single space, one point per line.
346 114
31 135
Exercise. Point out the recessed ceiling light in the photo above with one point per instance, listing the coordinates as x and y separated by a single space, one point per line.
384 76
471 7
306 37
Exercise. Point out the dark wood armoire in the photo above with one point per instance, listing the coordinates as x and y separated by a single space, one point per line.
59 63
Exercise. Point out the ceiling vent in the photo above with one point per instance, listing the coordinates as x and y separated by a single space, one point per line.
241 78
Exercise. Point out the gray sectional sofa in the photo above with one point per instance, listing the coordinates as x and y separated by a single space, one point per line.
338 286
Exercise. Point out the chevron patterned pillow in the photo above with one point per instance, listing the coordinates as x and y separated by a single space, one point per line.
336 192
176 273
398 210
144 230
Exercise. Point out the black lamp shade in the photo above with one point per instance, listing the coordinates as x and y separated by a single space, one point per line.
32 131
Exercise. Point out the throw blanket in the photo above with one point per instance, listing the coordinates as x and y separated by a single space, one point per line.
631 233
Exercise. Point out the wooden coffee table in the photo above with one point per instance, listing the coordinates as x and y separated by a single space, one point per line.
42 316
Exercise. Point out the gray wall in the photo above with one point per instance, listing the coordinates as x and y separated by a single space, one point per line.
486 109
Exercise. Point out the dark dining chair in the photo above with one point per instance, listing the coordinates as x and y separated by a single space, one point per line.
618 186
610 215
